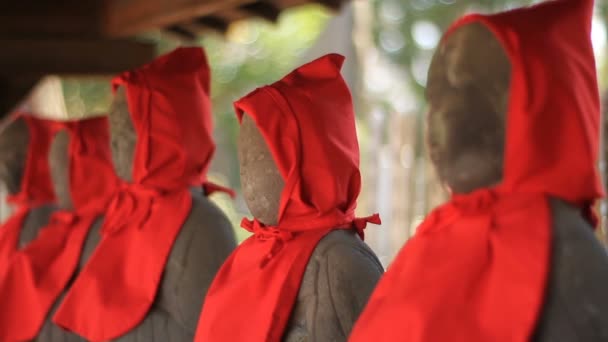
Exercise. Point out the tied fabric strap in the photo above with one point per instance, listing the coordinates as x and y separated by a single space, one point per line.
263 233
280 236
132 204
360 223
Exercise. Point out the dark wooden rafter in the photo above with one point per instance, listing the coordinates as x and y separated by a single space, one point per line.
73 57
13 89
213 22
264 9
221 19
59 18
183 32
89 37
24 62
129 17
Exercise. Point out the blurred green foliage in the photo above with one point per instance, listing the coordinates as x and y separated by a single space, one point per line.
399 23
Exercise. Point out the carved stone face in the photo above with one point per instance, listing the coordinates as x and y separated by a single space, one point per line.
468 92
14 142
59 163
123 137
261 181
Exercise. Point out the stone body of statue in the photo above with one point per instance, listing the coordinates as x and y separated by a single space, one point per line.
161 232
305 274
513 134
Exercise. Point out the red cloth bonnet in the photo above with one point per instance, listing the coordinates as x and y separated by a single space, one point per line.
170 109
308 122
477 268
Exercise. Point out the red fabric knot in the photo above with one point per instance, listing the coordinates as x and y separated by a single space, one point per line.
265 233
131 204
360 223
478 200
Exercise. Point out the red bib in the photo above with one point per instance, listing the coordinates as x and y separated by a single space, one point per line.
252 296
170 109
477 268
35 276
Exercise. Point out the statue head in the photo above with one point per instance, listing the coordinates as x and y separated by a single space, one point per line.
468 92
261 180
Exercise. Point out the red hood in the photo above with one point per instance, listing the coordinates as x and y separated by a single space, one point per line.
299 128
552 138
171 111
484 257
308 122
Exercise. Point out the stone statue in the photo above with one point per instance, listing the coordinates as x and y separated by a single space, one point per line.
468 91
342 270
305 273
146 203
204 242
513 127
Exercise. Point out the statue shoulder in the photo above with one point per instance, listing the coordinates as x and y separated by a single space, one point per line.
339 278
203 244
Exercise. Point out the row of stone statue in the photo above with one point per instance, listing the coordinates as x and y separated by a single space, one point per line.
114 238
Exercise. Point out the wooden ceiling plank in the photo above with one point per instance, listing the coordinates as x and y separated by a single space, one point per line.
182 32
215 23
73 57
34 18
332 4
263 9
129 17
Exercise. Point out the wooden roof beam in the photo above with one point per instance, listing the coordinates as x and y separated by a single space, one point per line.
213 22
129 17
24 62
264 9
332 4
59 18
73 57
